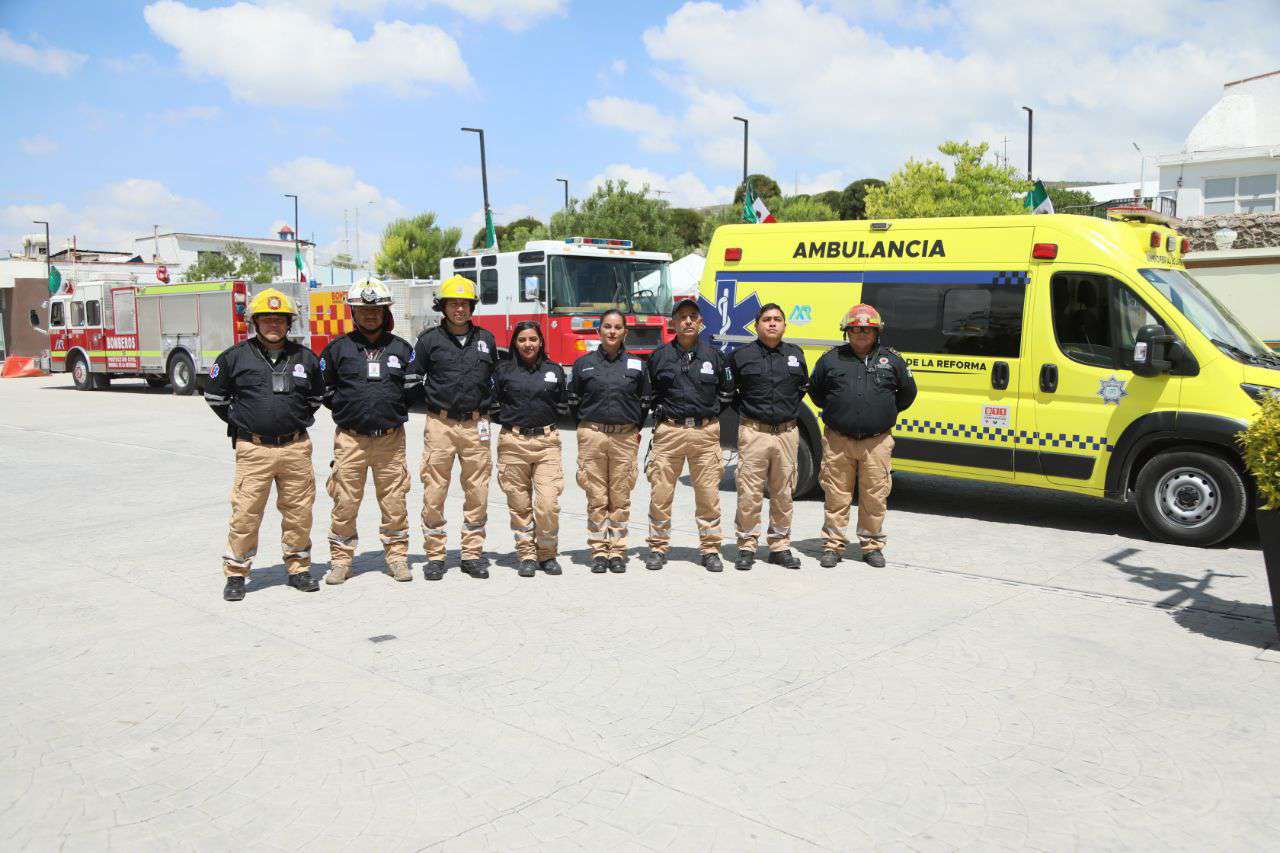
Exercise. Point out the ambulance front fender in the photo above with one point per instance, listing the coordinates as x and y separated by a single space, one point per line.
1165 430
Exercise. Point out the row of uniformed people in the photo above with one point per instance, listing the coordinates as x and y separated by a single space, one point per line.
268 388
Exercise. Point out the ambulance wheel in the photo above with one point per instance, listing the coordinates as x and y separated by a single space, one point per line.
81 375
154 381
1191 498
182 375
806 470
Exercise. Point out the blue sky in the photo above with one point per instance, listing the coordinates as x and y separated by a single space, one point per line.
200 115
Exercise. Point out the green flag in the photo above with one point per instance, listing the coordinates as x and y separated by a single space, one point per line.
748 206
55 280
1037 201
490 235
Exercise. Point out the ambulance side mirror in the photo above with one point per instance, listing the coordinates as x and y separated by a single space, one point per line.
1151 351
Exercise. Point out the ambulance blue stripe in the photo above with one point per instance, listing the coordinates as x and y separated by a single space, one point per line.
815 276
934 277
881 277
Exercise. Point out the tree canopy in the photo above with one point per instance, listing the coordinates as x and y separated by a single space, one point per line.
763 185
236 260
413 246
974 188
853 198
1070 201
513 235
801 208
614 210
688 225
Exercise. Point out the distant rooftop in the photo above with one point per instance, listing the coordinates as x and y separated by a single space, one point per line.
1246 116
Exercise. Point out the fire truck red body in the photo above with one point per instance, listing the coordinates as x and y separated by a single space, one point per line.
566 285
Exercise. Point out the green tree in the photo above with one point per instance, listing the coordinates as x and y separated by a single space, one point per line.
763 185
412 247
801 208
513 235
688 225
728 214
613 210
236 260
974 188
1071 201
853 198
831 198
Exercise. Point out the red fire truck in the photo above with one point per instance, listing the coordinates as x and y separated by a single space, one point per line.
566 285
168 334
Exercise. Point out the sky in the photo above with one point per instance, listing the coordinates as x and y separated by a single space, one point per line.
199 115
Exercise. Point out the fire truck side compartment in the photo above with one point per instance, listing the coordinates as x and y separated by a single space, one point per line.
149 340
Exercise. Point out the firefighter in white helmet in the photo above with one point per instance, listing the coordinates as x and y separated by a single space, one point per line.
369 376
267 390
456 361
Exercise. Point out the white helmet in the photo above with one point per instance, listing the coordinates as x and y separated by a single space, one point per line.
369 292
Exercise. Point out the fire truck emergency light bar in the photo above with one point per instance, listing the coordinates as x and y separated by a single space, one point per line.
598 241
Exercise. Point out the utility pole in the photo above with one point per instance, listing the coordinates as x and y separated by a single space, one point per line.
484 182
155 248
565 181
296 250
1030 115
746 125
1005 142
1142 174
48 251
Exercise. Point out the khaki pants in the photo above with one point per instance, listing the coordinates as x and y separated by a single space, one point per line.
607 472
257 467
532 477
354 456
444 441
765 457
672 446
869 462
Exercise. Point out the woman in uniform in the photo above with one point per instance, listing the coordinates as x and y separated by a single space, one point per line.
530 392
609 389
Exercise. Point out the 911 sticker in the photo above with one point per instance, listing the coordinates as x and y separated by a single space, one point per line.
996 416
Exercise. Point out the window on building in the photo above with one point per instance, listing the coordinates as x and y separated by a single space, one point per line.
275 260
489 287
1096 319
204 255
1248 194
956 319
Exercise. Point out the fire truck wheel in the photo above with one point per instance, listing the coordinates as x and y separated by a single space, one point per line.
156 381
182 375
101 381
80 374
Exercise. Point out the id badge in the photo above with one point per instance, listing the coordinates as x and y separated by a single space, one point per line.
280 383
375 370
482 426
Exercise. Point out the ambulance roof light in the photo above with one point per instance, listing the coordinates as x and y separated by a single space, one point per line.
1044 251
1186 246
609 242
1155 239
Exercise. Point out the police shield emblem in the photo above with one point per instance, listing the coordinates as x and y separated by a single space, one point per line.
1112 390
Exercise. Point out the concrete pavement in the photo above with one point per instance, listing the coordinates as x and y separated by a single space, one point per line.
1029 671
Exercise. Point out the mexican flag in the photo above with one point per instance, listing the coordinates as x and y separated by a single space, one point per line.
304 274
1037 201
753 208
490 235
55 280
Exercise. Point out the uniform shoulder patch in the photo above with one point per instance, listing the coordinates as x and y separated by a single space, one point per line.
215 370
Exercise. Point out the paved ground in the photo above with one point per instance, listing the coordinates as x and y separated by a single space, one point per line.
1029 671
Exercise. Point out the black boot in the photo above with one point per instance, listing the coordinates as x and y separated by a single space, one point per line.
617 565
829 559
433 570
528 568
712 562
303 582
475 568
745 560
234 590
785 559
654 561
874 558
599 565
551 567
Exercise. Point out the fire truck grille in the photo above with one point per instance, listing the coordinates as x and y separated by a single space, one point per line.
644 337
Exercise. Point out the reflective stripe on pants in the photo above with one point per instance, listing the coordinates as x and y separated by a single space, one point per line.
869 462
354 456
257 467
765 457
531 475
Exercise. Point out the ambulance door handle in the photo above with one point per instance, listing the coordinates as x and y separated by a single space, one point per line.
1000 375
1049 378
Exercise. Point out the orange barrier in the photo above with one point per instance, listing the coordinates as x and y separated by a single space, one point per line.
16 367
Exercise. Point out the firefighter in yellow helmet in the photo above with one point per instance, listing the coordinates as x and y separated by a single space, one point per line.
861 387
455 361
368 376
267 390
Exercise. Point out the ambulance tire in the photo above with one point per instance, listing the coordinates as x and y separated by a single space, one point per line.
806 469
1190 498
80 374
182 375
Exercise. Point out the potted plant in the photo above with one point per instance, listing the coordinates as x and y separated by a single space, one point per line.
1261 446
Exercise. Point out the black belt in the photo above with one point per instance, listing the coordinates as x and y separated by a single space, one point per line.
534 430
608 428
270 440
766 427
454 416
686 422
374 433
861 437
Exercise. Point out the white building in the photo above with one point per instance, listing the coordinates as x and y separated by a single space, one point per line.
178 250
1231 160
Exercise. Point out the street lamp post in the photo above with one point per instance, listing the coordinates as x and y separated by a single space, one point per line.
484 179
745 129
48 263
1142 173
565 181
296 250
1030 116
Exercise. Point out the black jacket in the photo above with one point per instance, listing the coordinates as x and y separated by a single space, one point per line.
239 389
360 401
861 397
688 383
529 396
769 384
609 391
457 378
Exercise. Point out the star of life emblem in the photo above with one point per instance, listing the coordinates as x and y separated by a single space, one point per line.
1112 390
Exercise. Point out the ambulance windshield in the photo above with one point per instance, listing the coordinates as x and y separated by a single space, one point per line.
1209 315
585 285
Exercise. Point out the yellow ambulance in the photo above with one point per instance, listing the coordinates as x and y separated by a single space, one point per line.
1064 352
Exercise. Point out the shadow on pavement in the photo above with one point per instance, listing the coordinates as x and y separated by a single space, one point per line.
1196 609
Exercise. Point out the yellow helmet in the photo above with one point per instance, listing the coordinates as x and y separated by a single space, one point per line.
457 287
272 301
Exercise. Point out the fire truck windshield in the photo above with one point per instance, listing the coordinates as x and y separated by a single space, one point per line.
584 285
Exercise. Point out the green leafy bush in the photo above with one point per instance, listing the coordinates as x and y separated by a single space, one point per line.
1261 446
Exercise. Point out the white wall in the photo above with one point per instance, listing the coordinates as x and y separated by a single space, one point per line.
179 251
1193 175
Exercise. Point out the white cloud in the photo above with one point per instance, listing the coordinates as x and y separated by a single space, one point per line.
38 145
133 63
50 60
653 130
110 216
325 190
683 190
823 87
282 54
618 67
512 14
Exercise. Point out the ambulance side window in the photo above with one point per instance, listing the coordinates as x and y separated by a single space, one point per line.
77 314
952 319
489 287
1096 319
94 312
56 316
